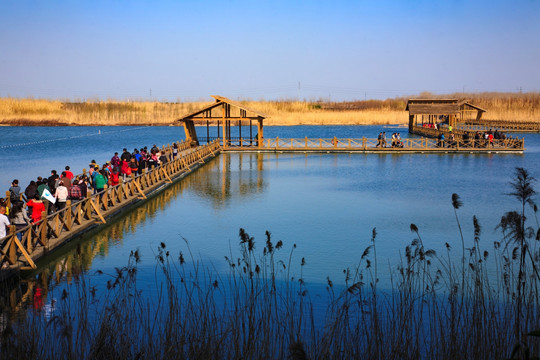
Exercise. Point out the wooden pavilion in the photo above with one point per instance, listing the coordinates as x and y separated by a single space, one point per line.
437 111
224 113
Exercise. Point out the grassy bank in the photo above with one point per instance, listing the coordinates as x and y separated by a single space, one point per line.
38 112
440 306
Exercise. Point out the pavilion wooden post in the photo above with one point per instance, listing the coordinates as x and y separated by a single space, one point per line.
260 136
452 121
186 130
411 123
224 129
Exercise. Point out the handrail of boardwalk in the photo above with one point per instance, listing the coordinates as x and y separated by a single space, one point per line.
370 144
505 125
506 144
58 227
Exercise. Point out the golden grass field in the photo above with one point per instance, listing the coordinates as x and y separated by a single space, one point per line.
39 112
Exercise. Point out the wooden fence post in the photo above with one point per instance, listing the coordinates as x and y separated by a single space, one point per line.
43 224
12 251
8 199
67 215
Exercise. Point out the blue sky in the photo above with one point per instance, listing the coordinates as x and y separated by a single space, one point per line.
337 50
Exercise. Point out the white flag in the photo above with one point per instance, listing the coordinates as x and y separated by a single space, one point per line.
48 196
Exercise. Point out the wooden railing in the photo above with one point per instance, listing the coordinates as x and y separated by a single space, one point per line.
508 143
20 248
371 144
504 125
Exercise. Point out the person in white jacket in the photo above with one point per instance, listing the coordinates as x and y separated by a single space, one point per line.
61 194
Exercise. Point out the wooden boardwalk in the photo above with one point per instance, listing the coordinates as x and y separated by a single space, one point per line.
505 126
367 145
77 217
58 228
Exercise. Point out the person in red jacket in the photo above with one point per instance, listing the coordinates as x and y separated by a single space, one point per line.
37 207
69 174
114 178
125 169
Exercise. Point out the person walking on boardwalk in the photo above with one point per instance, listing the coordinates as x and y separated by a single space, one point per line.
133 165
4 222
84 184
30 190
66 180
142 162
114 178
14 191
115 161
42 187
19 218
69 174
125 170
61 194
75 192
126 156
37 207
99 182
51 181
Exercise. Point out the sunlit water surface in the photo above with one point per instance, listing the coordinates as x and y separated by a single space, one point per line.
326 204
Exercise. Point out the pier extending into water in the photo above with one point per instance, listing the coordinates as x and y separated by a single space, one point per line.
77 217
370 145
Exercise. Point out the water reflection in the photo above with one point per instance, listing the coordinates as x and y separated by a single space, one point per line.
221 180
227 177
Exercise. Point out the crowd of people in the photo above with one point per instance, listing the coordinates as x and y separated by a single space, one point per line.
50 193
479 139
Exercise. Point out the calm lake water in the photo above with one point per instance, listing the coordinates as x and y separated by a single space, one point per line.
326 204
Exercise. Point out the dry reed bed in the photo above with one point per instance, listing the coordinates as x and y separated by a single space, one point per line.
441 306
518 107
